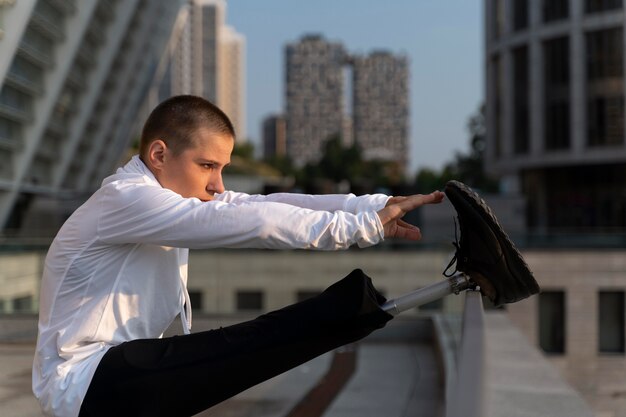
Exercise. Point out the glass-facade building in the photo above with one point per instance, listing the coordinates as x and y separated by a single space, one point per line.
555 110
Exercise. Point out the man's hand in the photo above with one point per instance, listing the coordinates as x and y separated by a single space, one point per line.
397 207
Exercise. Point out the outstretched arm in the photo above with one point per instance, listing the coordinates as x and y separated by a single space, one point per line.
327 202
397 207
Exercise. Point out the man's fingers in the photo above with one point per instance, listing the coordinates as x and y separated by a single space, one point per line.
395 200
395 211
410 232
418 200
407 225
402 230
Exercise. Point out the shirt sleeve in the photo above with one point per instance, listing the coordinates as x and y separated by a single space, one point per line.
328 202
131 213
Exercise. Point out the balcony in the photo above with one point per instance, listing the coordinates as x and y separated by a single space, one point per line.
29 85
20 115
47 20
65 6
36 51
9 144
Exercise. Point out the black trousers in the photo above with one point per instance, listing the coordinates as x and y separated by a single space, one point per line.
184 375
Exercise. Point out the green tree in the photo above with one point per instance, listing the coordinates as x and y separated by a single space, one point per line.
428 180
340 163
336 164
244 150
282 164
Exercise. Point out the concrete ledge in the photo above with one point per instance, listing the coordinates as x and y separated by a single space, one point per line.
468 398
521 382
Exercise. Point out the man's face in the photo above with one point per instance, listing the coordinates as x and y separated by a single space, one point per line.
197 171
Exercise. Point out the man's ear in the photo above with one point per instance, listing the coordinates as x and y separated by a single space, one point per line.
156 153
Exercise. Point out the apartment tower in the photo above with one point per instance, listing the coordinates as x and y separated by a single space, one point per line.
371 111
209 60
381 106
314 96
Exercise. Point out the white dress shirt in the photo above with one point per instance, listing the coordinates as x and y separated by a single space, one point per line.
117 270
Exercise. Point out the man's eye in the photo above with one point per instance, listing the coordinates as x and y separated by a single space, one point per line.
208 166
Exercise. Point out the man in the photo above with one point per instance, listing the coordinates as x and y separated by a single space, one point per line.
115 277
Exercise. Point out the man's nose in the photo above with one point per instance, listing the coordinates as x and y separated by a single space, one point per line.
216 183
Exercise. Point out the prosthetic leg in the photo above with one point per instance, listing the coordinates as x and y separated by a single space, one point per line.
453 285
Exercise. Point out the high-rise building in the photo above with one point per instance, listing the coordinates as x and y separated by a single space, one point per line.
73 75
381 106
208 61
373 111
555 110
314 96
274 136
231 78
555 133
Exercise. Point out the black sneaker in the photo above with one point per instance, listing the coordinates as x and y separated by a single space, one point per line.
485 252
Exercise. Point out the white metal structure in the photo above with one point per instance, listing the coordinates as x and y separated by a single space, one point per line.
72 77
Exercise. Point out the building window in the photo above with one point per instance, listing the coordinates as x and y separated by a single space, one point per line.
306 294
585 198
555 10
605 86
15 100
552 321
557 125
520 14
23 304
605 54
593 6
557 95
605 121
521 91
556 61
249 300
611 322
195 297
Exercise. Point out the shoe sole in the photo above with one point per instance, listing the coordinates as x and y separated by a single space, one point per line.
525 284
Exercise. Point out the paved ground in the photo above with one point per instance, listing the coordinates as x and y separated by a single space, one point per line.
392 380
16 398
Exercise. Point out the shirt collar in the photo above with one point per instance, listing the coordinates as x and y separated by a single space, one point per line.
133 167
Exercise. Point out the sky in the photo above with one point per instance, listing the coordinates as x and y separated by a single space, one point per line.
443 40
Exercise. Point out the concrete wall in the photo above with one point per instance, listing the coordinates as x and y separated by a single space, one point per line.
218 275
601 378
19 281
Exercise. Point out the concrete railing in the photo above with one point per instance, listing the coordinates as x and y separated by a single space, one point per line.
468 391
492 370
